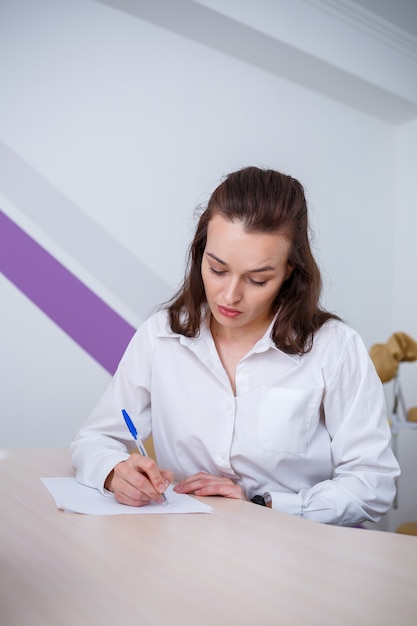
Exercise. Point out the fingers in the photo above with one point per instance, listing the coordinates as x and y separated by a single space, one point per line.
167 476
138 481
202 484
148 467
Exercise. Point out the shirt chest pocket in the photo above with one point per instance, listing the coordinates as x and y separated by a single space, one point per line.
287 417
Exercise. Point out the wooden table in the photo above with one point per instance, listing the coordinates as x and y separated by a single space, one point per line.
241 565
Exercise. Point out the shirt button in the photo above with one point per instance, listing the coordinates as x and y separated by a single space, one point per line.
229 405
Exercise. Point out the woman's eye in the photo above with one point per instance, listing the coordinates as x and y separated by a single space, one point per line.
216 272
258 283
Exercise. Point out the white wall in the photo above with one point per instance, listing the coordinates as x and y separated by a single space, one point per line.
133 125
404 259
404 295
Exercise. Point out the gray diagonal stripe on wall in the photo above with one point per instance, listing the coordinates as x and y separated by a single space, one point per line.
216 30
130 280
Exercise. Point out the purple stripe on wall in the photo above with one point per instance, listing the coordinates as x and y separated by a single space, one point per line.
87 319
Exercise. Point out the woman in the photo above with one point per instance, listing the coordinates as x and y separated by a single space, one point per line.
250 389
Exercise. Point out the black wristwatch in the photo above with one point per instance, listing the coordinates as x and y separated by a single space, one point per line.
264 499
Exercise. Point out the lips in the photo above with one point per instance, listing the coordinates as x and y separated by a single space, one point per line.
228 312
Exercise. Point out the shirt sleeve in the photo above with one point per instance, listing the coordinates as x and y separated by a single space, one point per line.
363 484
104 440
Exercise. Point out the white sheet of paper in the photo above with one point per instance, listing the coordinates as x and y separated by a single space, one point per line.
70 495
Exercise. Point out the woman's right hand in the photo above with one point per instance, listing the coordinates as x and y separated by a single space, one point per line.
138 481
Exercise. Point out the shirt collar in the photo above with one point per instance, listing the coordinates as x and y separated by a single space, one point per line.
262 345
266 343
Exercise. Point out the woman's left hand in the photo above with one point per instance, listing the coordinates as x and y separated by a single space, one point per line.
203 484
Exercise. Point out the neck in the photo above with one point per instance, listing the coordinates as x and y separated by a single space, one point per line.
247 335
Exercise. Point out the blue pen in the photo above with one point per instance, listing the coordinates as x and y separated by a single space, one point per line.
139 443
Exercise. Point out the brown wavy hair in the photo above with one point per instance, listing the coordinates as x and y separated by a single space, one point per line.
268 201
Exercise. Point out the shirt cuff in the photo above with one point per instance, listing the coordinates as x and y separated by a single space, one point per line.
104 469
287 502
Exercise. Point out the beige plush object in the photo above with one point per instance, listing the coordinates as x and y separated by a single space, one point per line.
408 528
387 356
412 414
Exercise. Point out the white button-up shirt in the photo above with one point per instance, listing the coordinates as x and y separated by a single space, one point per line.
312 430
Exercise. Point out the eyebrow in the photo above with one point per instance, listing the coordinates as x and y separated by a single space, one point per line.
267 268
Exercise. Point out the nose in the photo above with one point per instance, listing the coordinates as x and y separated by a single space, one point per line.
232 292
